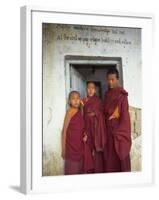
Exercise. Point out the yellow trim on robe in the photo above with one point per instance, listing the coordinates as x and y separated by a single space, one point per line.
116 113
72 111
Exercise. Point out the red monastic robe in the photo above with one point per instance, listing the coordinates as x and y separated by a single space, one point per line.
95 130
118 130
74 148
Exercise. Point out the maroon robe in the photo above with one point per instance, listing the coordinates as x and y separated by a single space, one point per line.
74 148
95 130
118 146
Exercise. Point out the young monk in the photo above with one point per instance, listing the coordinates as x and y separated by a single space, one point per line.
73 136
95 126
116 107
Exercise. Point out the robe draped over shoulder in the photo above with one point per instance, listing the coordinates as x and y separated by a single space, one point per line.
96 134
74 138
95 122
120 126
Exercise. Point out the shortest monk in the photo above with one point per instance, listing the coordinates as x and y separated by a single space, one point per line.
73 137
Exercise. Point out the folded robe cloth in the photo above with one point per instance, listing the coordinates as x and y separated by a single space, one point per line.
88 159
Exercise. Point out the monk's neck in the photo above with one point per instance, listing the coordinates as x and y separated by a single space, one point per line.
115 88
89 97
74 109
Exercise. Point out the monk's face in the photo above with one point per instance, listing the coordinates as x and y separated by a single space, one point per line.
75 100
91 89
113 81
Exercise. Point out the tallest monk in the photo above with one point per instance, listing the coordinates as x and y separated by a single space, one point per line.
117 158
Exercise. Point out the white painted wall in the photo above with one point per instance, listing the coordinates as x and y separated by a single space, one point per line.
78 82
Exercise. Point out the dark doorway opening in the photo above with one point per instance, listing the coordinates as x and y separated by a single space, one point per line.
80 74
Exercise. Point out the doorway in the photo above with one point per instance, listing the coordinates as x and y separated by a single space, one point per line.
80 71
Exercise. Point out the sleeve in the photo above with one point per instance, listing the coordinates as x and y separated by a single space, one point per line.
122 133
65 126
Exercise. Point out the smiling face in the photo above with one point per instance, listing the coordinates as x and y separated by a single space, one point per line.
91 89
74 99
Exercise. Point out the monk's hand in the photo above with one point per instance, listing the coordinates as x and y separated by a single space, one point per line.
111 117
85 138
81 102
93 153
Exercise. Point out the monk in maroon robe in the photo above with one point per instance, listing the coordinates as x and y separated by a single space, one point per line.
117 158
73 136
95 127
